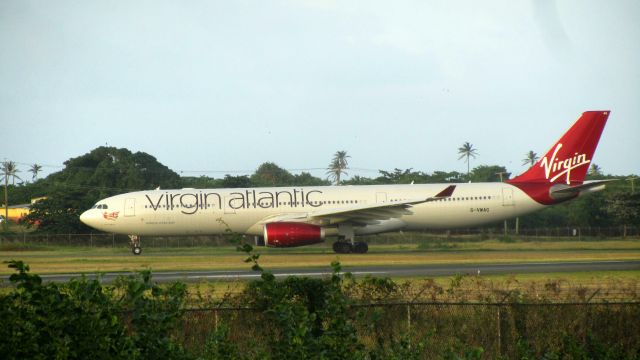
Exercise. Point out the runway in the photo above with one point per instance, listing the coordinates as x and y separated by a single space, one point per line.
427 270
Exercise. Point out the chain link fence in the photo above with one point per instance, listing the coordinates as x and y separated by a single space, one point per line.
500 330
538 234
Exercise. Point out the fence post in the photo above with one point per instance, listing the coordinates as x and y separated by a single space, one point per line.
91 240
499 333
409 317
113 240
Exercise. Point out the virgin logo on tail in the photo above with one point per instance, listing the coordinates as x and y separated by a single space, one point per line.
554 165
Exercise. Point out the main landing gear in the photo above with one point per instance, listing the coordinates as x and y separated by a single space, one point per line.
134 240
344 246
347 247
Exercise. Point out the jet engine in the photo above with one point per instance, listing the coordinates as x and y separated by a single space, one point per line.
288 234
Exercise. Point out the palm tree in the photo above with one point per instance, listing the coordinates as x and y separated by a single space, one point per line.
338 165
35 169
8 169
531 158
467 151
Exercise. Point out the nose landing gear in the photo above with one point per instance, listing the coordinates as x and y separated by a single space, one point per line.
134 240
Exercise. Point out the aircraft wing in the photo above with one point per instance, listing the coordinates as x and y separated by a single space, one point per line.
365 214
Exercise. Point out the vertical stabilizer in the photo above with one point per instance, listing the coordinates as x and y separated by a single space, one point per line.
566 164
569 159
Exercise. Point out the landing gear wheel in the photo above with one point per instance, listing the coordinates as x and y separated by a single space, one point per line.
360 247
135 244
342 247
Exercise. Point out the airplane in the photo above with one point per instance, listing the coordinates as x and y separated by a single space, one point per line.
297 215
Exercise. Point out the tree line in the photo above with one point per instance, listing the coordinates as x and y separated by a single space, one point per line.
108 171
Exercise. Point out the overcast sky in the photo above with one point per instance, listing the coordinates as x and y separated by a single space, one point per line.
215 87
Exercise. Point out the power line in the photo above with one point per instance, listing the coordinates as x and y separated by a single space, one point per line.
201 171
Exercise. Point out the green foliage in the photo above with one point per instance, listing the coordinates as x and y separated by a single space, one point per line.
305 318
464 352
49 321
103 172
571 347
154 312
59 213
302 318
220 347
236 182
407 176
270 174
294 318
485 173
106 171
84 319
399 176
624 207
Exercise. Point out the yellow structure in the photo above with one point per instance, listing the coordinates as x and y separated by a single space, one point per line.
17 212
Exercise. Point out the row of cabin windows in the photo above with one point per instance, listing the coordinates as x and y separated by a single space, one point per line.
466 198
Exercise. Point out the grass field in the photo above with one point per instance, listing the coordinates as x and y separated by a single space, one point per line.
62 259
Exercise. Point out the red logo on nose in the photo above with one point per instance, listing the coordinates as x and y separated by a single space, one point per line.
111 215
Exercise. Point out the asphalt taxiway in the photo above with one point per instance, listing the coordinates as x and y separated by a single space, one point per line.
426 270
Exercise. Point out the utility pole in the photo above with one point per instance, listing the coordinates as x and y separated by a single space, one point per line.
632 179
6 196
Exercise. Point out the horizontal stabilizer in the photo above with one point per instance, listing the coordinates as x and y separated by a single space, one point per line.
587 186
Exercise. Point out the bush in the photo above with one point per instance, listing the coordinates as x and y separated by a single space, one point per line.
83 319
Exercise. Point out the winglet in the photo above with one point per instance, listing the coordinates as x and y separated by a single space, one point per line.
445 193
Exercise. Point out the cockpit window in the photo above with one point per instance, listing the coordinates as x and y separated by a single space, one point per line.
100 206
105 206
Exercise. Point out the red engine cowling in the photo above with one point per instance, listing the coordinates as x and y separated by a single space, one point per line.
283 234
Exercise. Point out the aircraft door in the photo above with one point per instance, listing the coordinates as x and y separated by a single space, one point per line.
381 198
130 207
507 197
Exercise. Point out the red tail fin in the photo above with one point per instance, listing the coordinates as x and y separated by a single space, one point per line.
568 160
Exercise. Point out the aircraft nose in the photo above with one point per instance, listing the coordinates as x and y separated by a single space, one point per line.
87 218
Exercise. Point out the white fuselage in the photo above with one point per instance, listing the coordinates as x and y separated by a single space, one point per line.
213 211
